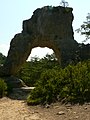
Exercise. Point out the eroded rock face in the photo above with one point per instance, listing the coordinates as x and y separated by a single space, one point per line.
48 27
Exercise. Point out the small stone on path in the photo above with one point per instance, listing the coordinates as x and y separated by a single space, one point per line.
61 113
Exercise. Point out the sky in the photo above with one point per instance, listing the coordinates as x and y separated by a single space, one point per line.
13 12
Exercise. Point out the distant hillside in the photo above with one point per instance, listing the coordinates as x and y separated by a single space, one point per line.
2 58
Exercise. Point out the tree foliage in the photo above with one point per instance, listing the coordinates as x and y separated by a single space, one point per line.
3 88
2 58
71 84
53 83
31 70
85 28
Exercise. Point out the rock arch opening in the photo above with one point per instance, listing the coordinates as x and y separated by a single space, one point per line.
40 52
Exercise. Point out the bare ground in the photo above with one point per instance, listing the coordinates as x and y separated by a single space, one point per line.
11 109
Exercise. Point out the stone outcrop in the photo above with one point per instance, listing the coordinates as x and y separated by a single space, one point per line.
48 27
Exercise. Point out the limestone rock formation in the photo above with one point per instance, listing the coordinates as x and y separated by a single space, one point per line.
48 27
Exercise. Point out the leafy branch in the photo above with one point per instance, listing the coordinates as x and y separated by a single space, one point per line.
85 28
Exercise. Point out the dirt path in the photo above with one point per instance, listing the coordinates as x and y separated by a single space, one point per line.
18 110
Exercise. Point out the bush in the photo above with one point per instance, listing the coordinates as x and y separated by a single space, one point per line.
31 70
44 91
3 88
71 84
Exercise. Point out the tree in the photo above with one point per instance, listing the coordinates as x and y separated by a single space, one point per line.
31 70
85 28
64 3
2 58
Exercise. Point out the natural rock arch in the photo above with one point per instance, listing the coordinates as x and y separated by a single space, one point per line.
48 27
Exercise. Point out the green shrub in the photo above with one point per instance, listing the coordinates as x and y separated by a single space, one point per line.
31 70
3 88
71 84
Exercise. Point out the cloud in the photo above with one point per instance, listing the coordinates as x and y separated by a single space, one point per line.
4 49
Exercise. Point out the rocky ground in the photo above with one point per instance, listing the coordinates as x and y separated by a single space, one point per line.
11 109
